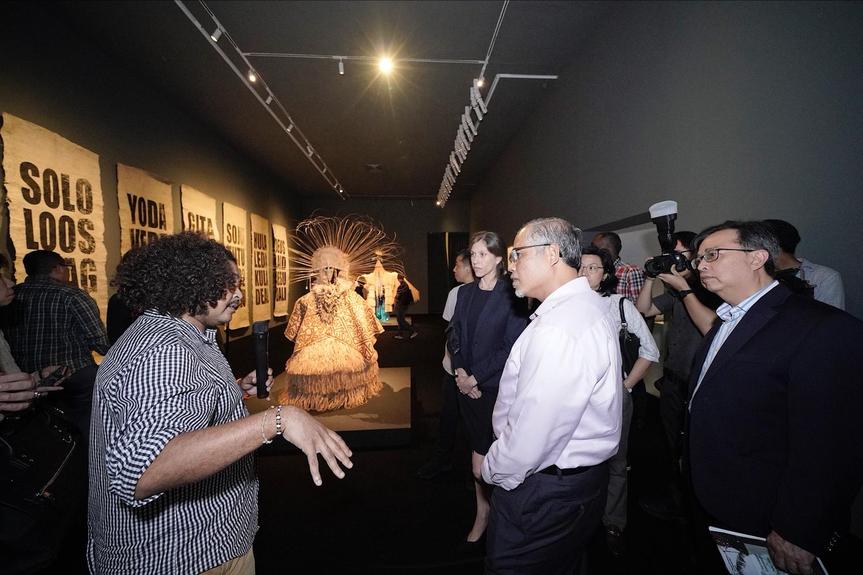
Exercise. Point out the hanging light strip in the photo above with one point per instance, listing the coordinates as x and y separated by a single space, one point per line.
469 126
258 87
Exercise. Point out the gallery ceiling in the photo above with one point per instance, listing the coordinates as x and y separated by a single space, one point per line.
378 135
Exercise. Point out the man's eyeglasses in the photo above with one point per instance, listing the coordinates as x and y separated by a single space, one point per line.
514 252
712 254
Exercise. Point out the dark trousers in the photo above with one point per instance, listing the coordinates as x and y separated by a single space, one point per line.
672 410
404 326
543 525
615 504
448 415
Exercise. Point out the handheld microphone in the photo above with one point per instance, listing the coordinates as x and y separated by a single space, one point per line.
260 333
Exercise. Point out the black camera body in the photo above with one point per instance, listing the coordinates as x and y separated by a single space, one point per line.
663 214
664 263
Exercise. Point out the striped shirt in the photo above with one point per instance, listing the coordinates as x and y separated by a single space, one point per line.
53 323
162 378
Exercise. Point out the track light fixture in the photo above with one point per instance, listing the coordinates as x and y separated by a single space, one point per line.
238 62
341 67
480 82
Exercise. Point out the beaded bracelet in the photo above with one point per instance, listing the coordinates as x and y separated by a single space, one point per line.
279 419
264 439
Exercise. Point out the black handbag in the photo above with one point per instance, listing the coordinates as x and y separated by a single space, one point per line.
629 343
41 482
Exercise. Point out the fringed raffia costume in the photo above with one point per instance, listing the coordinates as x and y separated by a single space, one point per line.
334 364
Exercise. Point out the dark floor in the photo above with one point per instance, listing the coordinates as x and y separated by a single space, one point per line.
383 519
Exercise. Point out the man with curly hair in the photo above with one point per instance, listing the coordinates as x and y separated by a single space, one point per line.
172 483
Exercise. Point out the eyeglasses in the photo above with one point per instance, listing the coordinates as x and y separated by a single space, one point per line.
514 253
712 254
591 269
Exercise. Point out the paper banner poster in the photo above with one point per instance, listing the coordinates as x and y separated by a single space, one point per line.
54 192
146 207
280 255
199 212
261 289
237 241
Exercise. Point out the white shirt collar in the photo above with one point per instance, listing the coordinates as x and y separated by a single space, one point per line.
570 288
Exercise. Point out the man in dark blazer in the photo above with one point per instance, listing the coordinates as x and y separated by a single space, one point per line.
775 403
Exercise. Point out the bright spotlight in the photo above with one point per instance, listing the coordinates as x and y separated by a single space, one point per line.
385 65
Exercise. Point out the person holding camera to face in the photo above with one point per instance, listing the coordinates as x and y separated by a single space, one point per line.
688 310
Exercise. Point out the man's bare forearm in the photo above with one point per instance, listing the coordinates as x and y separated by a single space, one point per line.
196 455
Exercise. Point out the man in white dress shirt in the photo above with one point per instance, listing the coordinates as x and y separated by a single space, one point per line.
558 413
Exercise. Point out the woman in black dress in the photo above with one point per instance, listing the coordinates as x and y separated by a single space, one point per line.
487 321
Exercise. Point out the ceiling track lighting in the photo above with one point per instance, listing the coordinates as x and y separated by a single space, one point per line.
237 62
341 67
468 127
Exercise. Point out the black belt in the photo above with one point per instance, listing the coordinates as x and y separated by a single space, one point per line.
555 470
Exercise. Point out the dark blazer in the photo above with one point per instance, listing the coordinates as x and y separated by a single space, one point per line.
774 429
501 321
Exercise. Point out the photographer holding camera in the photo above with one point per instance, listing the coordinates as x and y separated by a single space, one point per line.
688 310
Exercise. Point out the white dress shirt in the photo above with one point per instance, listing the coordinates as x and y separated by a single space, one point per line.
827 282
560 397
448 311
635 324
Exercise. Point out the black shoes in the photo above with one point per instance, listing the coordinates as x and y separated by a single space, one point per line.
435 466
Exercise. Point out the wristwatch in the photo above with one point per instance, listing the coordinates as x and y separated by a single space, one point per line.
683 293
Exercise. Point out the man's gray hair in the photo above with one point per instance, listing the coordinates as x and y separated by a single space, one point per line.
560 232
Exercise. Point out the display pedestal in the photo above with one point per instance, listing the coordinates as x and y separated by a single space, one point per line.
383 421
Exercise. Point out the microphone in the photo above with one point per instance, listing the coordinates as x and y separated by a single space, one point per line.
260 333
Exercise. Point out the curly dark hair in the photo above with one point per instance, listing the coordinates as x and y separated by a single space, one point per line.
175 274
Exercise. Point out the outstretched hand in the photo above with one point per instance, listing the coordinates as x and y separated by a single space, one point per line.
314 438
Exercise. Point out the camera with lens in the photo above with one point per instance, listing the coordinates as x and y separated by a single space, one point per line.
663 214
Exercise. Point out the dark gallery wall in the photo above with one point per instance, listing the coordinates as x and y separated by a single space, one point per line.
410 221
57 78
736 110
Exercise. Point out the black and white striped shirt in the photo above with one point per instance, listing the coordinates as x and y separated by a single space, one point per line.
162 378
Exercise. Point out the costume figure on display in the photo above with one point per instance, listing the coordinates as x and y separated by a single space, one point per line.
382 286
334 364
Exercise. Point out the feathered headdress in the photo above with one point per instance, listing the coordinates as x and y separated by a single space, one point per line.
341 247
